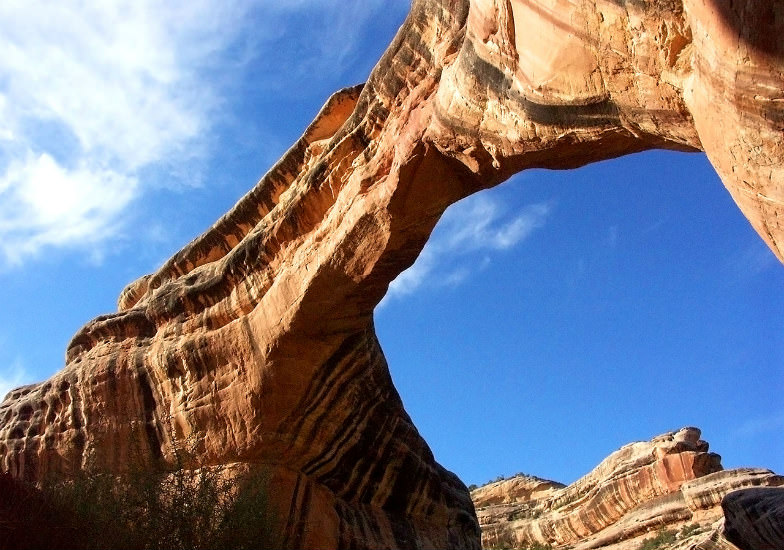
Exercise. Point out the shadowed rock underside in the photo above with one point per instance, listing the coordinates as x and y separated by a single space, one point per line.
255 343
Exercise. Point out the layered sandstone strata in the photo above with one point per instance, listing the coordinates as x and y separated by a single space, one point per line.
255 343
671 483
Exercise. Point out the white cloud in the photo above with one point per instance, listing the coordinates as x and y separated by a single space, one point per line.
90 94
44 204
456 277
413 277
117 75
123 95
479 223
467 233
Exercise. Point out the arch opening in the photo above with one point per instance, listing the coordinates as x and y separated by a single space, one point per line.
562 314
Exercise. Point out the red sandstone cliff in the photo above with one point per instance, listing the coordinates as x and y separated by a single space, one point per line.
671 483
256 341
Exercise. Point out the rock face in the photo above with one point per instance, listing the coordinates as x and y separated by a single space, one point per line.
755 518
255 343
669 483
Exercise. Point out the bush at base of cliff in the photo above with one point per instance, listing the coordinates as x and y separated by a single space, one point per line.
662 540
508 542
181 510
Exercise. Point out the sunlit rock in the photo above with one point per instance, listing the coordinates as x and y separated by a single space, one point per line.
670 485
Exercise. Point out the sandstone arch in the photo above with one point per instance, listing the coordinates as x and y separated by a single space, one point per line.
257 338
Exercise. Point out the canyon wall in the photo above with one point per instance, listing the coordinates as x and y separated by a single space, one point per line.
254 345
669 484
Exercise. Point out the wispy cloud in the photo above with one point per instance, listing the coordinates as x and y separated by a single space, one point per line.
754 427
90 94
100 102
12 377
464 241
331 46
46 204
751 261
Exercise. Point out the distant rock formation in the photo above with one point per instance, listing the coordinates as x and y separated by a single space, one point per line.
255 343
671 483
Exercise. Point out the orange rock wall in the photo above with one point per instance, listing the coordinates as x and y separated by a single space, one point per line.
667 483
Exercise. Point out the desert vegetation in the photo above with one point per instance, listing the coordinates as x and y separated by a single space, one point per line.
182 509
662 539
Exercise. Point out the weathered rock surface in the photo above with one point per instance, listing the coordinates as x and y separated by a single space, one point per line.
754 518
520 488
669 483
255 343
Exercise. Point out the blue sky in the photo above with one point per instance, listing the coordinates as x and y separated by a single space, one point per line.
548 321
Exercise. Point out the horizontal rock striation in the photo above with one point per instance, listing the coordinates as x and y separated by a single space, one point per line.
520 488
255 344
669 483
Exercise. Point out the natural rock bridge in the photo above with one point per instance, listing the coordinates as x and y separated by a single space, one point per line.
256 340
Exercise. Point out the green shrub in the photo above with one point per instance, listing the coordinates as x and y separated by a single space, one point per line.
689 530
158 507
660 541
508 542
180 510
